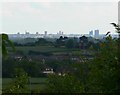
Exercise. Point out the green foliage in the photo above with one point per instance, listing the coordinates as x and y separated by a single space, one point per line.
64 84
5 40
84 43
70 43
42 41
33 68
104 74
117 27
18 85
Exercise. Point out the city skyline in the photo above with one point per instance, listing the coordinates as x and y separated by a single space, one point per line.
68 17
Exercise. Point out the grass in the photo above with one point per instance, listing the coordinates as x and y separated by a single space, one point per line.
38 80
44 49
35 83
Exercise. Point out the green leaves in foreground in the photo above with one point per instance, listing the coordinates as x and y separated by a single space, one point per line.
5 40
117 27
64 84
18 84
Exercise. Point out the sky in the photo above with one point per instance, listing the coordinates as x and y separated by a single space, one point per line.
68 17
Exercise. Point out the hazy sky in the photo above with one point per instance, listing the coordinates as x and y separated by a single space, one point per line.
69 17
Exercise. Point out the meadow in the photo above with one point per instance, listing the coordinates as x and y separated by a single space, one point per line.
46 49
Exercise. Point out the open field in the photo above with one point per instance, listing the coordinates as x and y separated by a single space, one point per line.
44 49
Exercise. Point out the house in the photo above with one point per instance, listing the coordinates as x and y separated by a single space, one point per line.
48 71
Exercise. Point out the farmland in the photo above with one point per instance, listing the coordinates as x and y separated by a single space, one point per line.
50 49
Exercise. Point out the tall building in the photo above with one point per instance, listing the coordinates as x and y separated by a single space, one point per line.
96 34
27 32
91 33
37 33
18 33
45 33
60 32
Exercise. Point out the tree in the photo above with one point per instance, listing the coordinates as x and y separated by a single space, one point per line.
104 69
83 42
18 85
61 41
5 40
64 84
70 43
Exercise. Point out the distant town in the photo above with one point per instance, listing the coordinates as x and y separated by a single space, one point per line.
93 33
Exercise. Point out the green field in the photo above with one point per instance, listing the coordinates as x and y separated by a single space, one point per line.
34 84
50 49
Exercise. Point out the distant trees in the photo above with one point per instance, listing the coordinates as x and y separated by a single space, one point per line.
33 68
61 41
70 43
67 42
39 53
83 42
32 42
42 41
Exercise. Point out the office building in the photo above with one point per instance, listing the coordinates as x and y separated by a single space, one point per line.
96 34
45 33
91 33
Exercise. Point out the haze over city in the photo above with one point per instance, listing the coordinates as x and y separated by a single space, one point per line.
69 17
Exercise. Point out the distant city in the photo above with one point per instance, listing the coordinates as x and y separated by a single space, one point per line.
93 33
